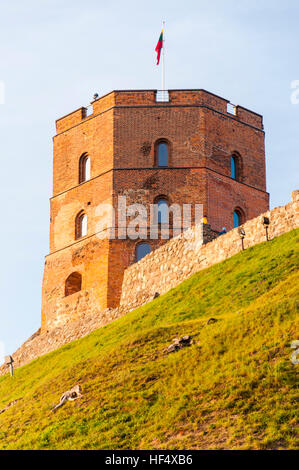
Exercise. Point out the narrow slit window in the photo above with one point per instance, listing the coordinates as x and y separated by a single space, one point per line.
84 168
162 154
84 226
81 225
233 167
236 219
163 216
87 169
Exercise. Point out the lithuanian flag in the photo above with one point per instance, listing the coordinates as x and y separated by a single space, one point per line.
159 47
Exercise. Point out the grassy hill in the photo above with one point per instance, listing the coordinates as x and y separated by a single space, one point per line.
235 388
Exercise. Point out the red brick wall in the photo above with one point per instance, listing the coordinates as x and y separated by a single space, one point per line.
224 136
89 257
92 135
67 205
136 127
226 195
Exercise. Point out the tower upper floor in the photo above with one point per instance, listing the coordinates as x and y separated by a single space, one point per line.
122 129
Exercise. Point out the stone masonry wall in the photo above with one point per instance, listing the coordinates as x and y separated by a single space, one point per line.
42 343
160 271
174 262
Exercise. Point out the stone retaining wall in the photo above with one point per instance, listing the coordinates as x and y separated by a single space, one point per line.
160 271
39 344
174 262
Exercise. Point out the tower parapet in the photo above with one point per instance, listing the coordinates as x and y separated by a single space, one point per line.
149 98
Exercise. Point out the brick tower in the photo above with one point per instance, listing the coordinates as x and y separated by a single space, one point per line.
193 148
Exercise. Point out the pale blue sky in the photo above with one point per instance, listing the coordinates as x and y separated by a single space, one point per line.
55 54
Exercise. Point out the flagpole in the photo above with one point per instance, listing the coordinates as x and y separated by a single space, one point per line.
163 62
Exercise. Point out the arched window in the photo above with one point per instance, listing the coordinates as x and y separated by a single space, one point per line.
239 217
233 167
84 168
142 249
163 213
162 153
73 284
81 225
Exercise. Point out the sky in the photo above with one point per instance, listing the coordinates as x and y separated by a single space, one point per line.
54 55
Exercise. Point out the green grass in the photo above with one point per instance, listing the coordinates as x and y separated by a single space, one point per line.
236 388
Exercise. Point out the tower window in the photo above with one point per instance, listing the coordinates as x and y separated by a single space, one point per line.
163 216
233 167
142 250
162 153
236 219
239 218
73 284
236 167
81 225
84 168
